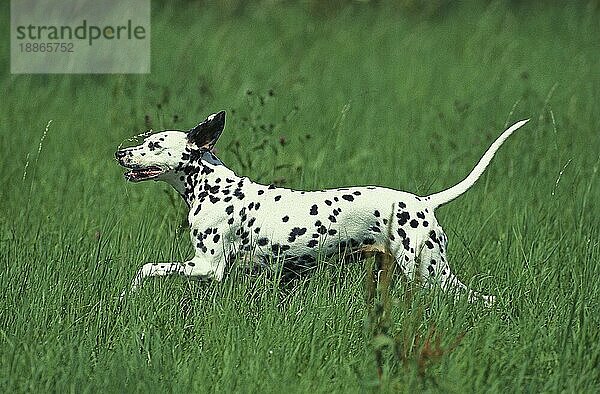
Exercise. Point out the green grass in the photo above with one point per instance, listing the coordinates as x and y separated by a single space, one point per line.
386 97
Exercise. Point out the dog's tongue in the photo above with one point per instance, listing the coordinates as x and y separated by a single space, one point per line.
142 174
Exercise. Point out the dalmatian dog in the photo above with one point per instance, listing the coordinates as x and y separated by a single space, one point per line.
232 217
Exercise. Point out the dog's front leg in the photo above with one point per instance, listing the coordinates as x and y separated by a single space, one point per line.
196 268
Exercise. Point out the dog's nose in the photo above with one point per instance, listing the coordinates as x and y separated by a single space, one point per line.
120 154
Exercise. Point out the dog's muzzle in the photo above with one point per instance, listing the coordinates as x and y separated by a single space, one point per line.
137 173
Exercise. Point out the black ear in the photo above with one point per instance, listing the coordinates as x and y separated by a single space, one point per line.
206 134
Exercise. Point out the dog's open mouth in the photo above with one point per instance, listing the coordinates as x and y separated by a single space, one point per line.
143 173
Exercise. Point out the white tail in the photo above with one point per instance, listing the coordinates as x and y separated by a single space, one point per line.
450 194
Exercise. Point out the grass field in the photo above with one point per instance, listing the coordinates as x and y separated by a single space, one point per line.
362 94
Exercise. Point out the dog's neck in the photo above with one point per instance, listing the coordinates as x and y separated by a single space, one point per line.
195 178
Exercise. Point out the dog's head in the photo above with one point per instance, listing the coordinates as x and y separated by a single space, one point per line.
163 155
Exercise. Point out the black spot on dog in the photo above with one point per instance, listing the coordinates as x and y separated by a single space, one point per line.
414 223
285 219
433 236
261 192
216 238
431 270
376 213
277 198
229 210
402 217
406 243
206 170
298 231
153 145
312 243
348 197
314 210
328 202
238 193
263 241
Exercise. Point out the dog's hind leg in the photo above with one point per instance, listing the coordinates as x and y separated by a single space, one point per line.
434 268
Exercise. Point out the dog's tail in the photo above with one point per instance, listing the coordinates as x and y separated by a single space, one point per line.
450 194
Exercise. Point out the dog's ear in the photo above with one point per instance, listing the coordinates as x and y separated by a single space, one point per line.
206 134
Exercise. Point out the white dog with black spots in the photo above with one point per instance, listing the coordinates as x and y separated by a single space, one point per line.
232 217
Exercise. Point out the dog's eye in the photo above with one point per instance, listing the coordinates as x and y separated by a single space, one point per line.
153 145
